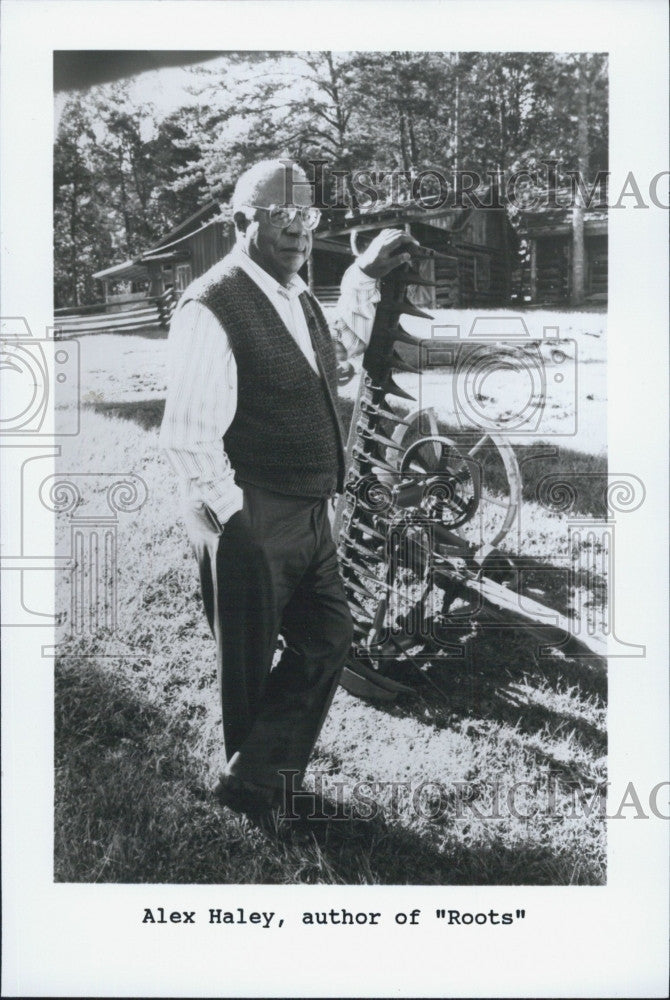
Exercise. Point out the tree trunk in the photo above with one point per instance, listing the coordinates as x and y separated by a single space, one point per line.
404 144
533 270
141 197
74 271
403 135
502 129
577 271
127 222
577 287
341 119
457 115
413 146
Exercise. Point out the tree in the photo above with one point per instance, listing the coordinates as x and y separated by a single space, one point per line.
124 174
123 163
179 184
260 105
121 178
81 236
579 88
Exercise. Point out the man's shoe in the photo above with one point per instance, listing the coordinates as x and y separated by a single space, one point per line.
263 806
243 796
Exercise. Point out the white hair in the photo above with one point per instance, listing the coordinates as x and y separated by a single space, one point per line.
255 178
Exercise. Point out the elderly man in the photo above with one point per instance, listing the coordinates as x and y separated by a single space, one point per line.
251 426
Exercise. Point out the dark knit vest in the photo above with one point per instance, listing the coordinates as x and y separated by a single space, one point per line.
286 434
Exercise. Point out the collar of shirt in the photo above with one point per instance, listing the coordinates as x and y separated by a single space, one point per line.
265 281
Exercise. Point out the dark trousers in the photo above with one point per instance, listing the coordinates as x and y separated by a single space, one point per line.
273 571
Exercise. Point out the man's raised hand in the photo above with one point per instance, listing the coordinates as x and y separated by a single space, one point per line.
385 252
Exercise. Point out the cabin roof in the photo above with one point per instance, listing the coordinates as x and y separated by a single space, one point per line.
189 225
592 227
128 270
162 252
448 217
556 219
134 270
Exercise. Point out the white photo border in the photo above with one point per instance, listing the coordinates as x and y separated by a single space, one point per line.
76 940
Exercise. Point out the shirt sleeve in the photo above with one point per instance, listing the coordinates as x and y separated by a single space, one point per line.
355 310
200 406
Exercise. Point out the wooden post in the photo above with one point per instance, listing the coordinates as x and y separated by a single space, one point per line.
533 269
155 279
577 263
577 254
506 257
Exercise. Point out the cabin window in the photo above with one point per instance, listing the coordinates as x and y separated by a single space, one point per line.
182 276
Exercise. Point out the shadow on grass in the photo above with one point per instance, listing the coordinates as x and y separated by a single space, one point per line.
131 807
147 413
500 678
392 855
130 803
149 332
587 473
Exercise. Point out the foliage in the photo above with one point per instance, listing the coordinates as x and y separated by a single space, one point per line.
121 178
83 242
124 173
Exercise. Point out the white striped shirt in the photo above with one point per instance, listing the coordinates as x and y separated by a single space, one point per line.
202 378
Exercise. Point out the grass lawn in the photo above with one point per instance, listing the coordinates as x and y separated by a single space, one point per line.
478 777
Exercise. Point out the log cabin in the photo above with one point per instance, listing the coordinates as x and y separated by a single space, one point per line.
475 252
544 274
476 249
182 254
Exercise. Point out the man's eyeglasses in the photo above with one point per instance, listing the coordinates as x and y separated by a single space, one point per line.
282 216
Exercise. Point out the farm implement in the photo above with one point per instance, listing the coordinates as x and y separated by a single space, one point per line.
421 517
